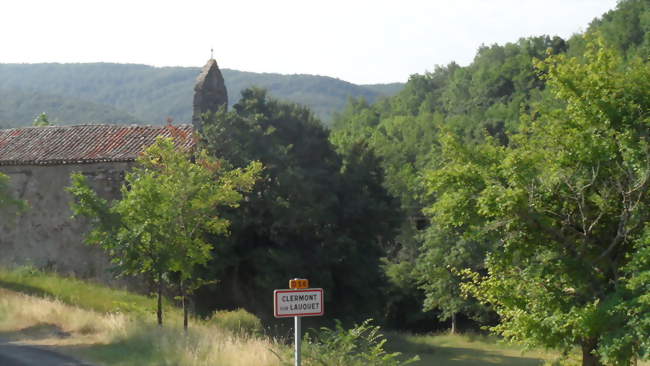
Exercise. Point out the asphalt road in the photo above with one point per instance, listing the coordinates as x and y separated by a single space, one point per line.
22 355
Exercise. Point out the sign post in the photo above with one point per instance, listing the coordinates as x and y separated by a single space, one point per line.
297 302
297 336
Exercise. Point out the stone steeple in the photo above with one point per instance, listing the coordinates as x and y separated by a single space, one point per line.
209 92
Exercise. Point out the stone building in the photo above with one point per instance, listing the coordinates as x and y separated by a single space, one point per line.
39 161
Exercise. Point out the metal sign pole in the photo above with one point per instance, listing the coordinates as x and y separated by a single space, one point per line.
298 338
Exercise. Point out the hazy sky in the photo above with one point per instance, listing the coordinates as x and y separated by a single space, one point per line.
361 41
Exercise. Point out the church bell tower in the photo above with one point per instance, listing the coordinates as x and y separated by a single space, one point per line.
209 93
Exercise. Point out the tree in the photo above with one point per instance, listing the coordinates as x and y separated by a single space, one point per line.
565 207
438 272
42 120
448 247
169 201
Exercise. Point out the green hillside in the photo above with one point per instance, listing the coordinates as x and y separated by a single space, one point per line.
18 108
119 93
385 89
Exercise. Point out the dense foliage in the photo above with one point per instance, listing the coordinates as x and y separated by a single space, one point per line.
314 214
488 95
472 151
626 28
561 206
116 93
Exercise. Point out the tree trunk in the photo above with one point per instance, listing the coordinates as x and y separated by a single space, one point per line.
160 314
589 357
184 303
453 324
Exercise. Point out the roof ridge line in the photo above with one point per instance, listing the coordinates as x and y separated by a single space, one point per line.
85 143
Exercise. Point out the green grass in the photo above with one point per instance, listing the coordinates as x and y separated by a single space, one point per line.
469 349
86 295
474 349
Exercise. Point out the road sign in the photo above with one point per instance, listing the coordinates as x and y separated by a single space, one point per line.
296 303
305 302
298 283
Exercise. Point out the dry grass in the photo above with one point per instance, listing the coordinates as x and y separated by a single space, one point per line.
46 320
117 339
210 346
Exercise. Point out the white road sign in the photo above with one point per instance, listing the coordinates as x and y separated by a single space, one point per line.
305 302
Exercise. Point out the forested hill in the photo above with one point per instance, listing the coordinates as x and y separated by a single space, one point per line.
127 93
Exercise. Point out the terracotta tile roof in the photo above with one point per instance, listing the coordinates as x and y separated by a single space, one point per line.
84 144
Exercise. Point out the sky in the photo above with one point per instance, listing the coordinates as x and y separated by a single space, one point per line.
361 41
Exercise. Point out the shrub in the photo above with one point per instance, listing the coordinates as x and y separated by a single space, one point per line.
238 321
361 345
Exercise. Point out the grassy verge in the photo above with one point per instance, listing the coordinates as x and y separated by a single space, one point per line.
78 293
466 349
117 339
473 349
114 327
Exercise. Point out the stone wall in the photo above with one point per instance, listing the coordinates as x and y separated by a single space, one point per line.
46 236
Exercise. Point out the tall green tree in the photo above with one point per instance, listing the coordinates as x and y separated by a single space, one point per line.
42 120
449 245
170 200
565 207
438 273
315 213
